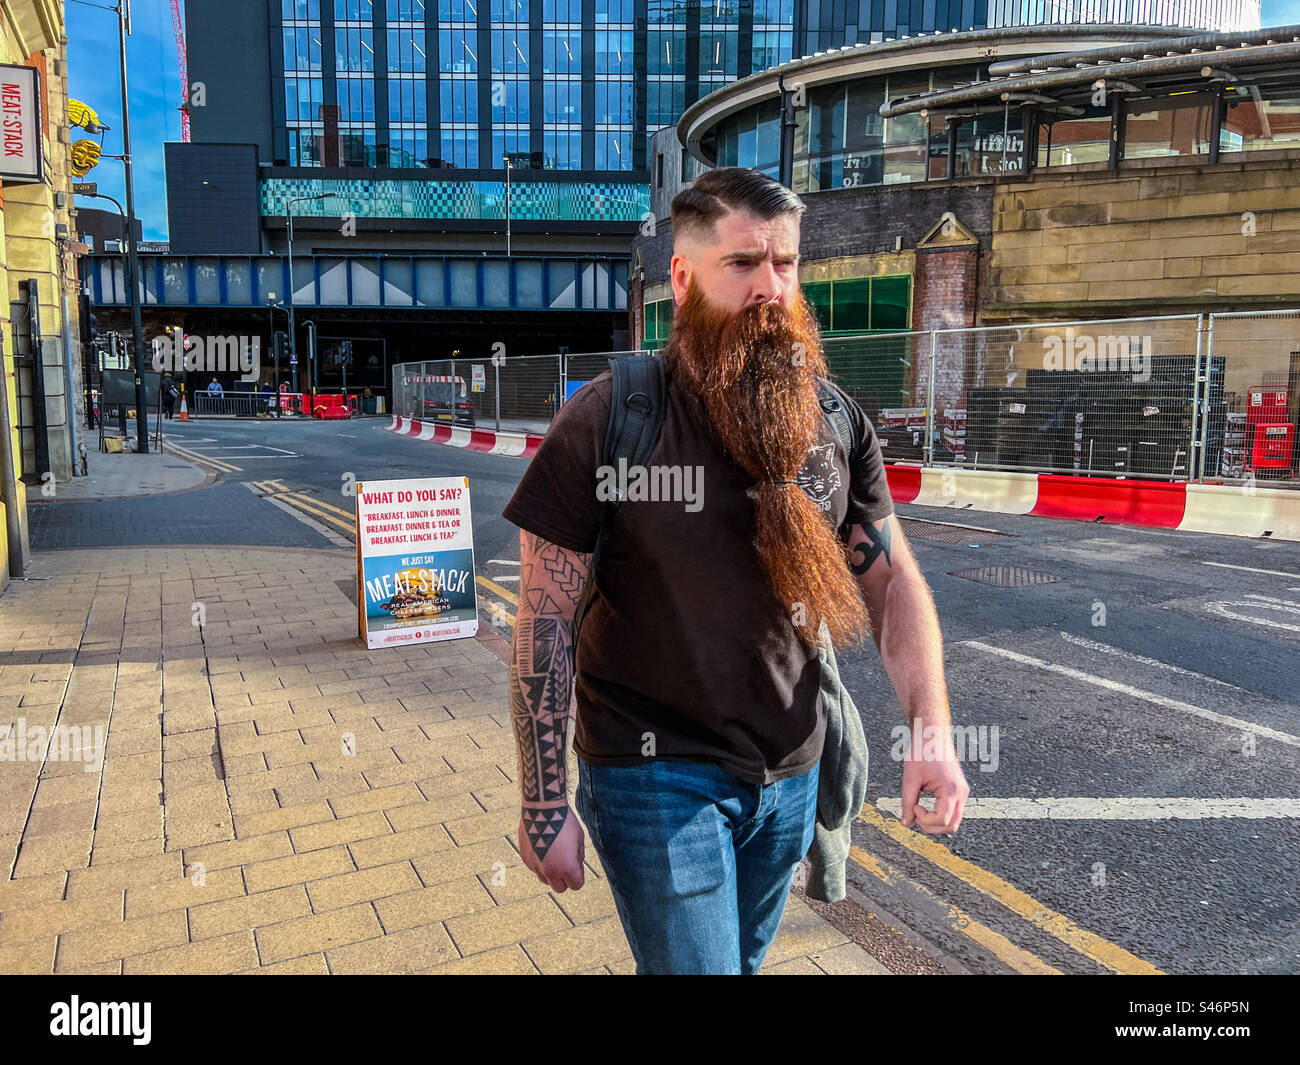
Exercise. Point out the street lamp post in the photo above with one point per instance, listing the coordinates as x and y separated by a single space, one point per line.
141 412
506 158
293 342
271 304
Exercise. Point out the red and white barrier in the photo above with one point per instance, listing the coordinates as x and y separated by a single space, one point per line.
522 445
1221 509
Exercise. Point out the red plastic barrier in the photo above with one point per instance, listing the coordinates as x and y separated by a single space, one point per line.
904 482
482 440
1114 502
413 427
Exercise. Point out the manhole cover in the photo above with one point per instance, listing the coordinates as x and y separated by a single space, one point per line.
1005 576
946 532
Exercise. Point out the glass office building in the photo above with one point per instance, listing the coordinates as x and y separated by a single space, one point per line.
579 84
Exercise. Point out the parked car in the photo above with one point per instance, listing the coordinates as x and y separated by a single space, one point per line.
447 401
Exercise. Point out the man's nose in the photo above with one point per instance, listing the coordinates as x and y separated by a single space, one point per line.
765 286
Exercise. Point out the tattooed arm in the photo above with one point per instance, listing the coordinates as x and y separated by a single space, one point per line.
551 582
906 630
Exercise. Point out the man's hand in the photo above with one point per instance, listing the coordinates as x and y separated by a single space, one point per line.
560 867
945 779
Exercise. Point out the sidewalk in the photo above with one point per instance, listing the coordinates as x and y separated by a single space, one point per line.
126 474
228 828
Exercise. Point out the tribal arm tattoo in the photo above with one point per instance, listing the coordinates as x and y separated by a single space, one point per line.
876 542
541 682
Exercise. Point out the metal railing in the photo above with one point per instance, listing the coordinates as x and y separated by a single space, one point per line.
514 393
1186 397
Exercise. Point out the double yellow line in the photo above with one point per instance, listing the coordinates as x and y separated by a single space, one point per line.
493 608
336 516
1105 953
205 460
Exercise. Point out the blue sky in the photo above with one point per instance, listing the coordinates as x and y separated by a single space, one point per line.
155 94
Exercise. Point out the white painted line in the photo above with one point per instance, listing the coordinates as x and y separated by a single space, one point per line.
1137 693
505 577
503 561
1222 610
1115 809
1252 569
1105 648
311 523
1282 604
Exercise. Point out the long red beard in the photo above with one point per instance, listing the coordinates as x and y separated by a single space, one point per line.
753 374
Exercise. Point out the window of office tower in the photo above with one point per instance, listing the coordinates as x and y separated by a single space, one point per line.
407 118
719 44
458 82
773 38
354 73
665 65
562 84
303 80
510 68
615 91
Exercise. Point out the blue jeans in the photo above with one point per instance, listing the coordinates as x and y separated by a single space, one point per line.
700 862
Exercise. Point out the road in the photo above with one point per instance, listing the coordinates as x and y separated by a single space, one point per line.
1134 718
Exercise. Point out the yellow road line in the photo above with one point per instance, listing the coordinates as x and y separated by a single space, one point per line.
304 503
498 611
495 588
1022 961
348 515
194 456
1102 951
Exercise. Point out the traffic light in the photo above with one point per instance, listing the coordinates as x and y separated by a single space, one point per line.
280 344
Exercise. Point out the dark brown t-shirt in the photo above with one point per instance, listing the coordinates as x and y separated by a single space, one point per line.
683 638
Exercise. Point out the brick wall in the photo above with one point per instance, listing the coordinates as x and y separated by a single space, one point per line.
1160 236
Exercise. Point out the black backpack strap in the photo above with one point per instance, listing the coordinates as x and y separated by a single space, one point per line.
637 407
835 409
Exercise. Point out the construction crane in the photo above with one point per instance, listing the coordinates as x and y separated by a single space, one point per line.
184 108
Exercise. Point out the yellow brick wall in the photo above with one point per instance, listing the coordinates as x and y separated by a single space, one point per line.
1160 236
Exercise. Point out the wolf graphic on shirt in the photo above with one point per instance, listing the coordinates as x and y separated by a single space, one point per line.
819 476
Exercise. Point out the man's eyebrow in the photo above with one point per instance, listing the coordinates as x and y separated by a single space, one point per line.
758 253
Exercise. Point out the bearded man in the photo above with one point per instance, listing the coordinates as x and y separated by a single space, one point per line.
699 725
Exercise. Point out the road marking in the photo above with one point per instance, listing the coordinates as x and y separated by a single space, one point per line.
1102 951
498 612
506 577
503 561
1115 809
1222 610
306 503
1281 604
1106 648
1137 693
958 920
347 515
504 593
301 516
194 456
1252 569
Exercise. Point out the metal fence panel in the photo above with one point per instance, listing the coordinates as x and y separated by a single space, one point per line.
1260 351
1175 397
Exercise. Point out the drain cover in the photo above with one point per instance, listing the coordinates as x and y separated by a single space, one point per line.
1005 576
946 532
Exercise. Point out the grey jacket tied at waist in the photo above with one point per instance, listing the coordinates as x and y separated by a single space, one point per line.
842 781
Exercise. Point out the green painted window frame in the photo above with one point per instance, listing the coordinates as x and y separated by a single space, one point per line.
822 296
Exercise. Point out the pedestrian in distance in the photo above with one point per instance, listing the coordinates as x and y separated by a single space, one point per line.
214 387
170 393
697 671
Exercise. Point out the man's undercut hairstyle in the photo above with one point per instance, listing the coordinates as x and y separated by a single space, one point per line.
716 193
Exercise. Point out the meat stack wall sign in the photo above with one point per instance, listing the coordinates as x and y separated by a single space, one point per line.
415 561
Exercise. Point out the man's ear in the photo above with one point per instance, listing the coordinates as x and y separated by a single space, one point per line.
680 274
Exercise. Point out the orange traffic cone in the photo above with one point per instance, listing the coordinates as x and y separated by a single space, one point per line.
184 414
